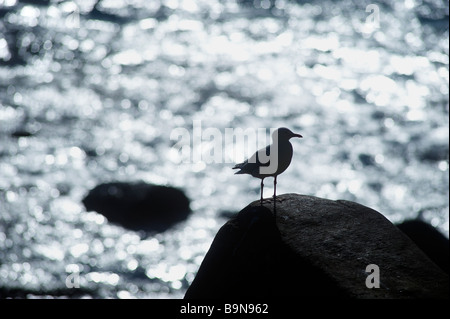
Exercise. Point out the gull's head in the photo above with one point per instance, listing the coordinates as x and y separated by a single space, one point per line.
284 133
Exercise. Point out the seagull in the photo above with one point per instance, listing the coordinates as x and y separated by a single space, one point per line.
272 160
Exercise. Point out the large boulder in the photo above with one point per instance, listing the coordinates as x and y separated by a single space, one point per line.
139 206
314 247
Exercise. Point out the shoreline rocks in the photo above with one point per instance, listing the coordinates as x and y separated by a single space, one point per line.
434 244
139 206
314 247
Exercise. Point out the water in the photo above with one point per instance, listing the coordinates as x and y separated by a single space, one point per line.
91 94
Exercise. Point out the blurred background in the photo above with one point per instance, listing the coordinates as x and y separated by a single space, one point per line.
90 92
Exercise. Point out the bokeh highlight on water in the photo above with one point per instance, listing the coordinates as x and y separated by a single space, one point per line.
89 93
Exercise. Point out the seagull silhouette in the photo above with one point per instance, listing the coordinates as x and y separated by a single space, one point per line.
272 160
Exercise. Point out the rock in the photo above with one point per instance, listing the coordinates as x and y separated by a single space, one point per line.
433 145
21 133
316 247
139 206
434 244
366 159
248 259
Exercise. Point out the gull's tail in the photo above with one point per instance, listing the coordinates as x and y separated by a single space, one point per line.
239 166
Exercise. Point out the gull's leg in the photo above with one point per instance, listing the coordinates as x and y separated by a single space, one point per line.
275 188
275 196
262 187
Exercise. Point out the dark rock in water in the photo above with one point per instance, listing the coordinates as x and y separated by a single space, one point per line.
314 247
227 214
139 206
25 292
434 152
434 244
433 145
366 159
21 133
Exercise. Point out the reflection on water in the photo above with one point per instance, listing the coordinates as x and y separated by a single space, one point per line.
89 93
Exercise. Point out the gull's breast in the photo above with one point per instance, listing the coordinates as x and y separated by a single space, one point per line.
284 157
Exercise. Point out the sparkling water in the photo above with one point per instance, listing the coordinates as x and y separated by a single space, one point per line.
90 93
